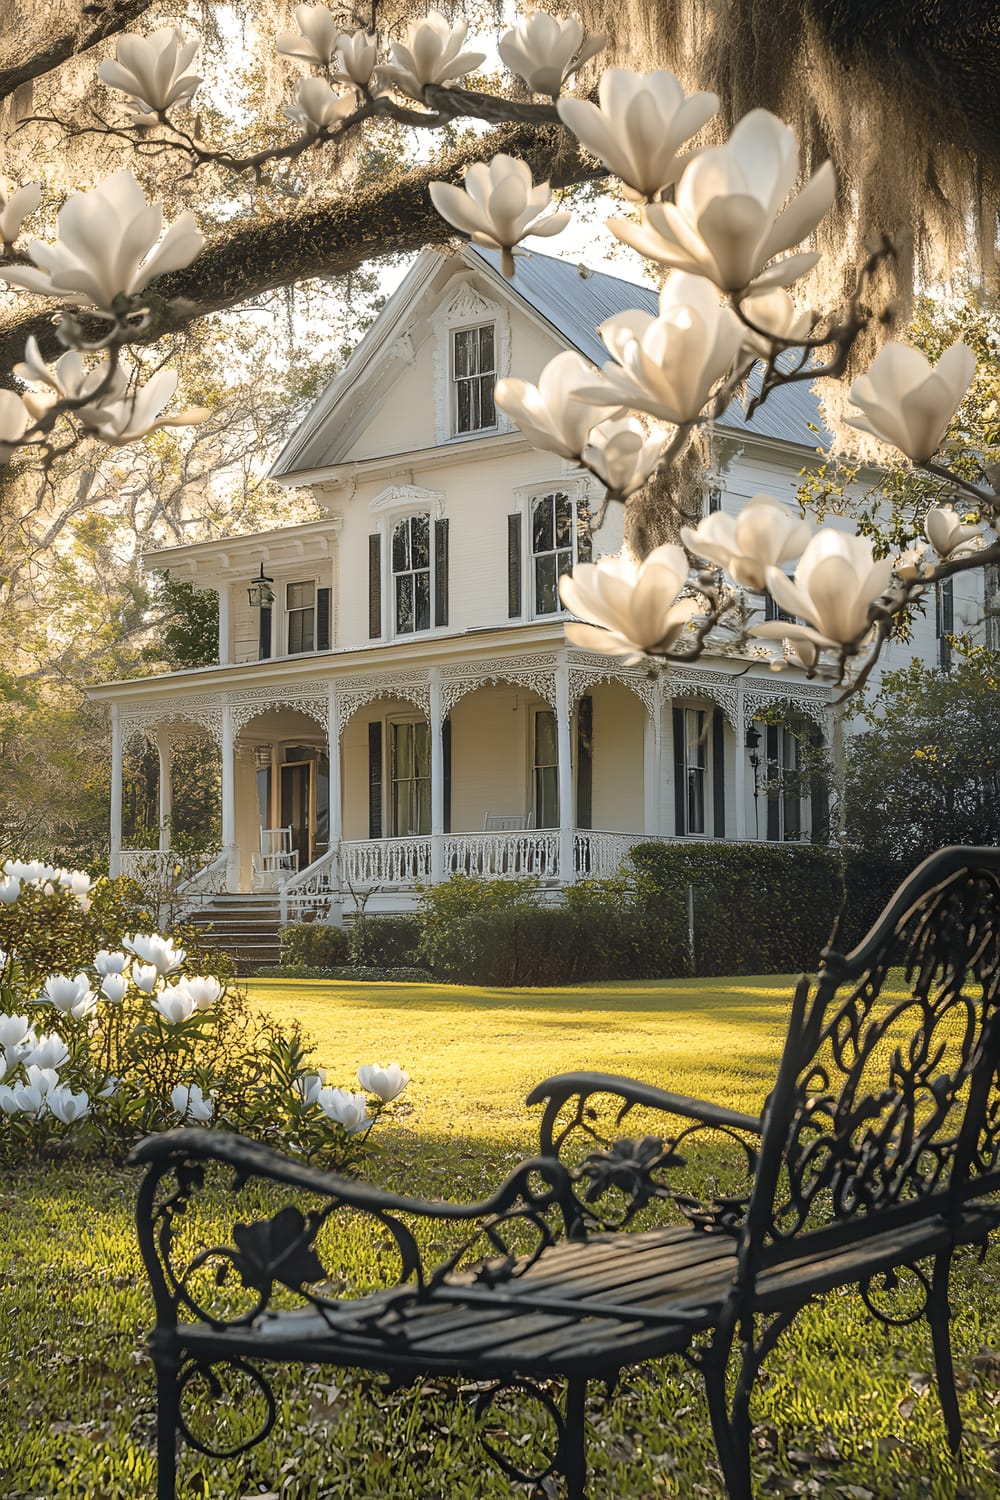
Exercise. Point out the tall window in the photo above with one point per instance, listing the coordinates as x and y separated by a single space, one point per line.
991 603
695 770
411 574
300 605
945 620
410 775
783 783
553 533
474 375
545 775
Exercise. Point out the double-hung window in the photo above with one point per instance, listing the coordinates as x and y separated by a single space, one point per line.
783 784
411 574
695 763
474 376
300 611
410 774
553 548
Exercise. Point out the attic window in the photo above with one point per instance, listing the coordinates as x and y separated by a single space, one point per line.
474 376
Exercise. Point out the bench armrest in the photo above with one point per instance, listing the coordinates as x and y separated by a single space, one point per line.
589 1142
284 1251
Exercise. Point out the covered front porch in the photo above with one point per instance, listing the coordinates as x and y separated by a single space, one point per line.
350 792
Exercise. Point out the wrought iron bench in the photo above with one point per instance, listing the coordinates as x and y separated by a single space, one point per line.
878 1150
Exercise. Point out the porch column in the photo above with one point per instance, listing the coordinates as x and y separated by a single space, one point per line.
224 652
652 766
336 800
740 778
565 772
229 798
164 750
437 776
115 860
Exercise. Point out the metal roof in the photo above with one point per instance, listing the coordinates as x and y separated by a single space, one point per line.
575 300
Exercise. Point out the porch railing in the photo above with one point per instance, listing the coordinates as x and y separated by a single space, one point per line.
532 851
312 890
385 862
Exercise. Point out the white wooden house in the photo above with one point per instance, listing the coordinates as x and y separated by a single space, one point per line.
399 703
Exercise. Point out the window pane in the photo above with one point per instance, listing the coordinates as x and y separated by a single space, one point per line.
420 551
546 599
464 406
541 525
421 601
299 595
487 406
546 753
564 563
301 636
564 520
465 353
696 800
694 723
404 602
400 547
486 348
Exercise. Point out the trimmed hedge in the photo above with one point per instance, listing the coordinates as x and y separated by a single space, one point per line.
347 973
317 945
384 942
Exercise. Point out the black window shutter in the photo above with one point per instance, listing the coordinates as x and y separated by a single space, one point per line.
375 780
322 619
264 635
374 586
772 771
584 762
718 774
446 766
441 572
514 565
680 788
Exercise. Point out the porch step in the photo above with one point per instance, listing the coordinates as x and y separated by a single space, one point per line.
246 927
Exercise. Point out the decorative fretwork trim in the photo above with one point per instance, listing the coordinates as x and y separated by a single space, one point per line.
354 693
537 673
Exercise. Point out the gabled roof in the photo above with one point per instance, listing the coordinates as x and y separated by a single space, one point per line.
572 299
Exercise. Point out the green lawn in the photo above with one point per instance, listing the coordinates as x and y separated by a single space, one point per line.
847 1411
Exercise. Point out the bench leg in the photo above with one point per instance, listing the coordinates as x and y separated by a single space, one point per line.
731 1430
166 1429
572 1458
939 1317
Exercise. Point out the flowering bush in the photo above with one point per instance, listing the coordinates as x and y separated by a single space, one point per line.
139 1038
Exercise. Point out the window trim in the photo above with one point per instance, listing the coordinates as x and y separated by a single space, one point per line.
287 613
581 491
392 722
453 379
467 307
389 507
411 572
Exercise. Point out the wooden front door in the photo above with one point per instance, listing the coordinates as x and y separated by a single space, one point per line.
296 806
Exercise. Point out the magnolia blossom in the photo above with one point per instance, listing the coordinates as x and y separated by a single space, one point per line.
344 1108
317 105
498 206
35 871
152 70
156 950
547 414
356 59
308 1085
318 39
15 207
67 1106
948 534
114 987
639 126
68 995
105 250
908 402
631 608
667 366
431 54
623 455
727 221
48 1051
79 884
190 1103
13 1030
21 1098
43 1079
204 989
773 312
545 51
763 535
107 962
130 417
10 886
175 1003
836 581
384 1083
13 423
145 977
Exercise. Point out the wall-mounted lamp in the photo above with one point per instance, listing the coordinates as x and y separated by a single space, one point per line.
752 744
260 593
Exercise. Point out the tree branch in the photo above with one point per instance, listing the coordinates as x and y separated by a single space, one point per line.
96 22
390 216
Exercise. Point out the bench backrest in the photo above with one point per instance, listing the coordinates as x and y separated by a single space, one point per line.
886 1102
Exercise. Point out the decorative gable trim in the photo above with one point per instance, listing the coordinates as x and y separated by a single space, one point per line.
466 306
401 497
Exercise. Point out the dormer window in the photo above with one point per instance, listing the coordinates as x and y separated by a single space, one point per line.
474 374
411 573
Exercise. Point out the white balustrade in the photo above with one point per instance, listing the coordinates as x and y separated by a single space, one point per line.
385 862
598 855
531 851
145 865
312 890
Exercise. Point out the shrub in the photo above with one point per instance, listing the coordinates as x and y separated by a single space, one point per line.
455 900
318 945
384 942
347 973
139 1038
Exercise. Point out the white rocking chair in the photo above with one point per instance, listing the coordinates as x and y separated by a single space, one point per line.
508 822
276 859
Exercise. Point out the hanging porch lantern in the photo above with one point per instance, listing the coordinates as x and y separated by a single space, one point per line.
260 593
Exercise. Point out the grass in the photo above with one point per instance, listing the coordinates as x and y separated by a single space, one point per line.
847 1410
